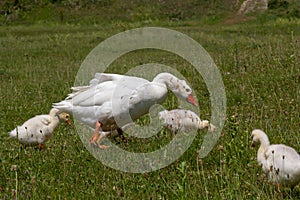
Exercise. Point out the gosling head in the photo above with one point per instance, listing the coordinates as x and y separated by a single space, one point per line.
206 124
259 137
212 127
64 117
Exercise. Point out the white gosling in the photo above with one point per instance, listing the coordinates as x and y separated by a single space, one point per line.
115 100
183 120
281 163
38 130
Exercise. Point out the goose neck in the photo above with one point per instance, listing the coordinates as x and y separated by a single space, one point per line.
166 79
54 119
264 143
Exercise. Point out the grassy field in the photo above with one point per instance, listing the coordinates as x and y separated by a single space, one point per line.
259 62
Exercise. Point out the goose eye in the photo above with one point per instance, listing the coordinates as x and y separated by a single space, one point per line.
187 90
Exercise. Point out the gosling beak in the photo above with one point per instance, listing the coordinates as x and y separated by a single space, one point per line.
191 100
68 122
211 127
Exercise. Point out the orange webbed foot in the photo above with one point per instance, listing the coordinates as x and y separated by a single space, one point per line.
94 138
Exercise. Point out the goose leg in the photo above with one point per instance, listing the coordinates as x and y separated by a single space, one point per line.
41 146
95 139
98 142
120 132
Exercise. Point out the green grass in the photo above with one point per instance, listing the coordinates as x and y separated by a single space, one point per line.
259 62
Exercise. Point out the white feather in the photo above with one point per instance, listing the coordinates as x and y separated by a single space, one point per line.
280 162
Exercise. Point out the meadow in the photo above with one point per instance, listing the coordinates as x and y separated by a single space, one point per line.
259 63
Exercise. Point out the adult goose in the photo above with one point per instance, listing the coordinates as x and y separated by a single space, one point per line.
183 120
116 100
280 162
38 130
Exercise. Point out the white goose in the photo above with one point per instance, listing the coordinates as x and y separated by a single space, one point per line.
115 100
183 120
38 130
280 162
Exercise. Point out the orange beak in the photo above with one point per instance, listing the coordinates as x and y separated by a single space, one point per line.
68 122
191 100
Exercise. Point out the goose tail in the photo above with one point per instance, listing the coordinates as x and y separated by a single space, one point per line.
13 133
64 106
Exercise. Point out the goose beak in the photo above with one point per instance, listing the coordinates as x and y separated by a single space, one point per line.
68 122
252 145
191 100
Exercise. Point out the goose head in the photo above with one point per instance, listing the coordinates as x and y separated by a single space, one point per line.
183 91
259 138
179 87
